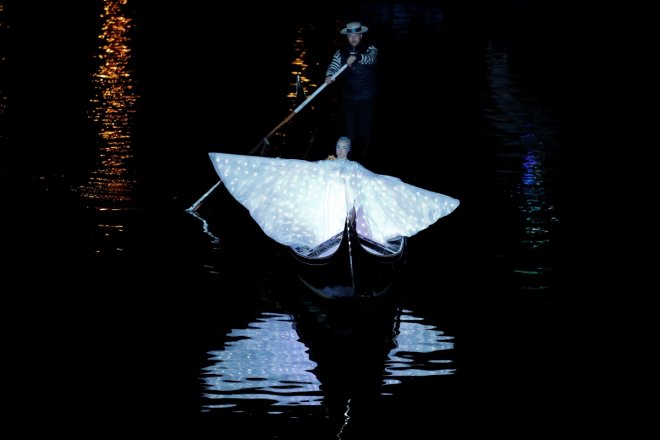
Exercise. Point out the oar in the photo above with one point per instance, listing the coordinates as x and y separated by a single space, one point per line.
273 131
297 109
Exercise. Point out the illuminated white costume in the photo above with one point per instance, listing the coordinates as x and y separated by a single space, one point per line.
299 203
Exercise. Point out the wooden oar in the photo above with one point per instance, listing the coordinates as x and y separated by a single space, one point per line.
272 132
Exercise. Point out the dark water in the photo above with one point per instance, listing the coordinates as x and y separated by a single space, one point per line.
128 307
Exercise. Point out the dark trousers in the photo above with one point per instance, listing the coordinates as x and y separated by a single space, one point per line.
358 124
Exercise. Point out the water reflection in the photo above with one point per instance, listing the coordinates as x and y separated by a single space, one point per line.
264 361
301 80
421 350
534 201
110 186
215 240
527 140
113 107
297 141
335 355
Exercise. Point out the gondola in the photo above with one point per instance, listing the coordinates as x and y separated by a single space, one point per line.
345 226
349 265
304 205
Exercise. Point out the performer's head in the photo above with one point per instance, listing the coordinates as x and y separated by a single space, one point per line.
343 147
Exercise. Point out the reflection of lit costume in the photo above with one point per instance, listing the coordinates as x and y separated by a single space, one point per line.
299 203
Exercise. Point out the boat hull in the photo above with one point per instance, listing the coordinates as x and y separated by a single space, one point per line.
351 266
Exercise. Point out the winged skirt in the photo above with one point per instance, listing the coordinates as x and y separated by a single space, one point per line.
301 203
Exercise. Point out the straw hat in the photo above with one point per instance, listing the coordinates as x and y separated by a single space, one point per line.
354 27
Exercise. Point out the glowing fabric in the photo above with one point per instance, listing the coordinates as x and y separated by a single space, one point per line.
300 203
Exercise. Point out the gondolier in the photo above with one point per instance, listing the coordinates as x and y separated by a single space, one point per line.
359 86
